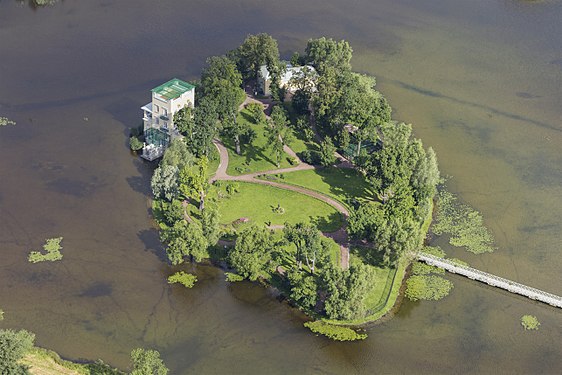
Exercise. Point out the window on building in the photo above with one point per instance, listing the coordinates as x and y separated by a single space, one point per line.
165 111
156 108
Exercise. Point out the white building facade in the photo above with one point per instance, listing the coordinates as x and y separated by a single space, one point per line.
158 115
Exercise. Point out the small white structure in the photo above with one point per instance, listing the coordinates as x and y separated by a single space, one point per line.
264 77
158 115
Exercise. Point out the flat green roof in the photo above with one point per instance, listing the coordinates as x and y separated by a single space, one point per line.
173 88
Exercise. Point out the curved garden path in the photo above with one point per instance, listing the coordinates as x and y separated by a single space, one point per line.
340 236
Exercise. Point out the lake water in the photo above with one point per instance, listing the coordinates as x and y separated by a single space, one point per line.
480 80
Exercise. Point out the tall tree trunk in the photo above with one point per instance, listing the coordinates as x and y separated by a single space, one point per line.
359 148
313 265
202 200
237 143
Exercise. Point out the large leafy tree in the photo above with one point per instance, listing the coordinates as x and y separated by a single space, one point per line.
347 290
221 83
327 54
308 242
210 221
252 252
13 346
278 133
184 122
178 154
193 181
164 182
304 289
185 240
257 50
205 119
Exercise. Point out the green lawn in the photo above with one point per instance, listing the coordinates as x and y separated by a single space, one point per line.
342 184
256 157
257 202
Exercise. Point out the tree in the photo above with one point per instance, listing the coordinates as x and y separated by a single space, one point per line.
185 240
205 120
210 221
147 362
257 50
256 112
164 182
304 84
308 241
184 121
13 346
303 288
347 290
252 252
278 133
221 83
326 54
193 181
327 152
178 154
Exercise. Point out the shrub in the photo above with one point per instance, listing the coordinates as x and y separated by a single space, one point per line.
310 157
135 143
183 278
232 187
13 346
334 332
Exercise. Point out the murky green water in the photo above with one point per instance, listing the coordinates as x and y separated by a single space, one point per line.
480 80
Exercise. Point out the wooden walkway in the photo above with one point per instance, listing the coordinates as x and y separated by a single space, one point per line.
496 281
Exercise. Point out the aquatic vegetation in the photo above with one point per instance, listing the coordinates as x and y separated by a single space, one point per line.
530 322
338 333
52 247
4 121
427 287
464 224
183 278
233 277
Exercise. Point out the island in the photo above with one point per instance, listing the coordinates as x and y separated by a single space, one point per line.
293 174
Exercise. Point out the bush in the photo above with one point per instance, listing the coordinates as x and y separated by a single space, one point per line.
52 247
135 143
232 188
186 279
333 332
310 157
147 362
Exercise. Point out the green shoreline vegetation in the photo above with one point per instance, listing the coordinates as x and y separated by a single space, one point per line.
389 192
18 355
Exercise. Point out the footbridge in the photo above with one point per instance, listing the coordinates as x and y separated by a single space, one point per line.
496 281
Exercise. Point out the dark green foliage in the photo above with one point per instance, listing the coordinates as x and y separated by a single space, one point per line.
164 182
278 132
178 155
327 152
256 112
185 240
210 221
325 54
252 252
304 290
463 223
147 362
135 144
310 157
337 333
13 346
347 290
184 122
257 50
308 241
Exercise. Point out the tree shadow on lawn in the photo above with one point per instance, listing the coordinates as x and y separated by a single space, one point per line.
369 255
338 178
250 152
331 224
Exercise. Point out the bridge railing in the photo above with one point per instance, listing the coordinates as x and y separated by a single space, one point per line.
490 279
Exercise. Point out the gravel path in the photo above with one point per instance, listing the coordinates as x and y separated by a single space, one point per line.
340 236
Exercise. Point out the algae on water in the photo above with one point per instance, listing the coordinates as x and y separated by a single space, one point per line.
52 247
